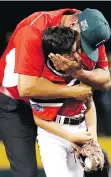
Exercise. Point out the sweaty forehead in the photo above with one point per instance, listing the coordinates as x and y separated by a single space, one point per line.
73 17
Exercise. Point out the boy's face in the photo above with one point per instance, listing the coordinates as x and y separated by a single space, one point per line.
76 48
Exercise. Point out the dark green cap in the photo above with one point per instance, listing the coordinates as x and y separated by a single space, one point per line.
95 31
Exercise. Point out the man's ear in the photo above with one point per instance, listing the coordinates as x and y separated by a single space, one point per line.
74 19
73 23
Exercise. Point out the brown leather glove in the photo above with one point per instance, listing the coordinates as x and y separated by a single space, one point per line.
90 156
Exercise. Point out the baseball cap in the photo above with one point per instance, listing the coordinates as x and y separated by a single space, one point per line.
94 31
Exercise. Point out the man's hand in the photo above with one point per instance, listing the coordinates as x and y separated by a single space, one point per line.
83 93
69 66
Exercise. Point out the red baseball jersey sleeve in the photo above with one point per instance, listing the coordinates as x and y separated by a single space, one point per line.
102 61
29 59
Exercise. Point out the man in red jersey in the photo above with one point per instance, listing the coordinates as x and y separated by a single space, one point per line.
21 78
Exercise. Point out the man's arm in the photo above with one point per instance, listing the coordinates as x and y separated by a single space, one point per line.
91 118
41 88
98 78
58 130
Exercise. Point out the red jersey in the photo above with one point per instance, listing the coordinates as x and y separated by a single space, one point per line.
24 55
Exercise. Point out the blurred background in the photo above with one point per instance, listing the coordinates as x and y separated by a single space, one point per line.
11 13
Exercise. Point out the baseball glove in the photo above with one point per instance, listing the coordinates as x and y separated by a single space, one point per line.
90 156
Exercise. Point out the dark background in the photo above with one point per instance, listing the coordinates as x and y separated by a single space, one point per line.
11 12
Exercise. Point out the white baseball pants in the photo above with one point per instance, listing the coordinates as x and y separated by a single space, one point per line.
56 153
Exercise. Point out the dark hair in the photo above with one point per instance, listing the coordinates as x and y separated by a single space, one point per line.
57 40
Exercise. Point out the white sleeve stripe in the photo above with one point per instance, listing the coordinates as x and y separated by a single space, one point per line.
40 16
46 104
37 18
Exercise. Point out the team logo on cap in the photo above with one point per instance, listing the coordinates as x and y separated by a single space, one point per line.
84 25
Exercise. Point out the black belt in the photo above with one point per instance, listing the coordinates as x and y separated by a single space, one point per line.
70 121
73 121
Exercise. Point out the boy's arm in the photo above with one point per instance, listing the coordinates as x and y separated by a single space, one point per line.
58 130
91 118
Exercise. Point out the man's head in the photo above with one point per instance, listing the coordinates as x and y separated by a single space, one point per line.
93 30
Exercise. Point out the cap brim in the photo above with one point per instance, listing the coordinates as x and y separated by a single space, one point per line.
88 50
